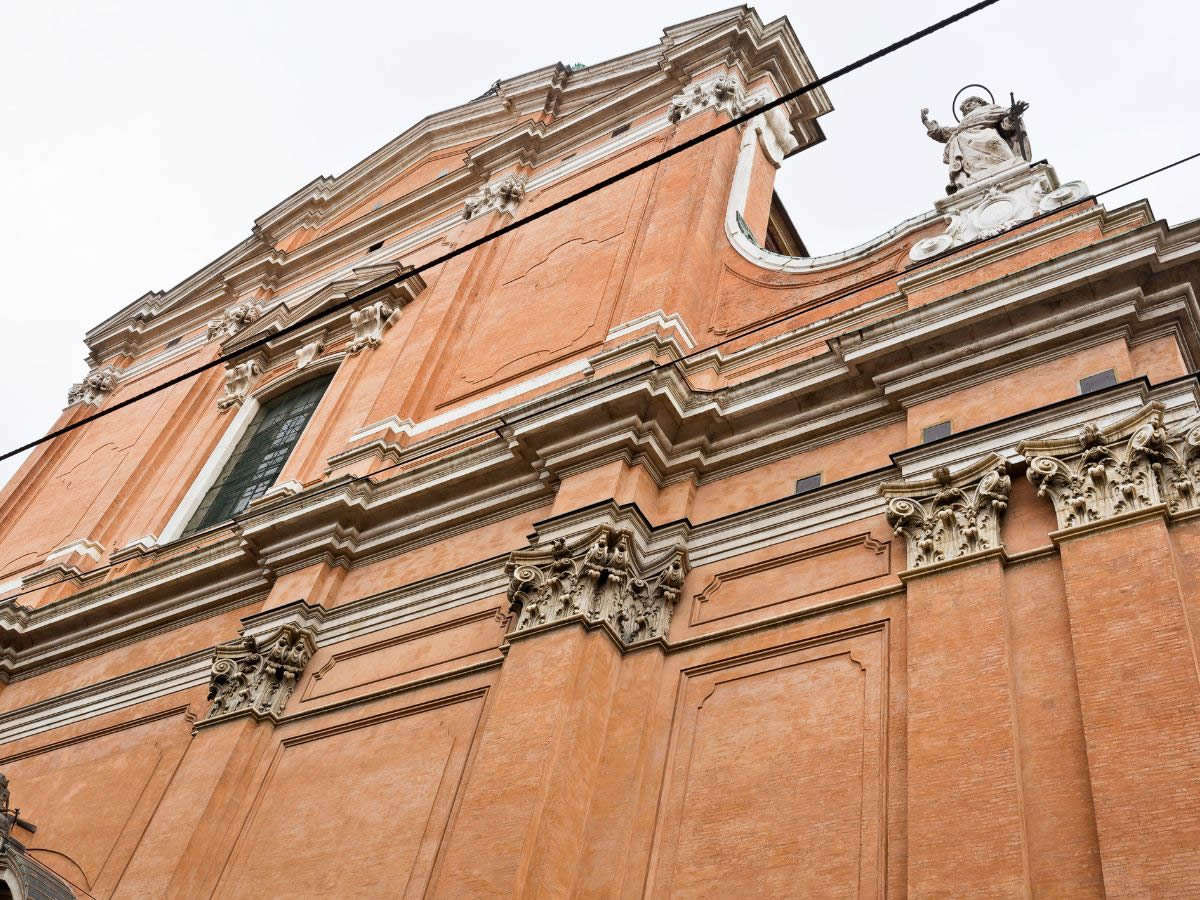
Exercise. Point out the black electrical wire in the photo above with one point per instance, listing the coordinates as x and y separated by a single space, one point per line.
512 226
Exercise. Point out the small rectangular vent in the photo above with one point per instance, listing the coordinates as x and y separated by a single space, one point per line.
935 432
808 483
1098 382
375 246
620 129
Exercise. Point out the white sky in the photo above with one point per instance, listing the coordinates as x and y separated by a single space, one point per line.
141 139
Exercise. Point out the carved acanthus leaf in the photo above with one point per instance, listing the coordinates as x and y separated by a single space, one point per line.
599 582
1101 472
501 196
233 320
94 387
946 516
258 676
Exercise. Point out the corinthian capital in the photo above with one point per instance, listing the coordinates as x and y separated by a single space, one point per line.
946 516
94 388
1101 472
599 580
259 677
502 196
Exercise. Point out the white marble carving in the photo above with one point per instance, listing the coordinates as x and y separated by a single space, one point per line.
986 139
1179 476
259 678
725 92
1101 472
597 581
233 320
997 203
239 381
308 353
946 516
502 196
369 323
94 387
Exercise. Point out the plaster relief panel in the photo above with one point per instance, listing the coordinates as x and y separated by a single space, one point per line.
407 657
355 809
806 573
775 779
553 294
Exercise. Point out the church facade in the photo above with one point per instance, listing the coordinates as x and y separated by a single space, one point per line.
636 552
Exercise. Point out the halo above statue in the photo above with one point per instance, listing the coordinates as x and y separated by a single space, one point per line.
954 102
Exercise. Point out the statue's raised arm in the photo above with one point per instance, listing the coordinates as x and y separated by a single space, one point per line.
933 129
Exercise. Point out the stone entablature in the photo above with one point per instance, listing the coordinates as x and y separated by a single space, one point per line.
258 676
947 516
1134 464
599 580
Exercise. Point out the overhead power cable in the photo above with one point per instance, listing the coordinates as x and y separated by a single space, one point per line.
513 226
487 430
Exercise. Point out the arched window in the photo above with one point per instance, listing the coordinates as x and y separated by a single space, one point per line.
260 454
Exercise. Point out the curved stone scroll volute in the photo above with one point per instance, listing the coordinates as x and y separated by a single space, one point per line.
947 515
599 581
1101 472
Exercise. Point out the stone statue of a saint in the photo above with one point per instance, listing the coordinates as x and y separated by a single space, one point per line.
987 138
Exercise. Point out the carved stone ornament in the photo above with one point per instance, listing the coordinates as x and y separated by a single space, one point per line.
259 677
996 204
597 581
502 196
1102 472
1179 476
94 388
947 516
309 352
724 92
239 381
369 323
233 320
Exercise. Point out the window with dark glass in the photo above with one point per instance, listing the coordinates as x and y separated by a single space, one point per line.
260 454
1097 382
808 483
935 432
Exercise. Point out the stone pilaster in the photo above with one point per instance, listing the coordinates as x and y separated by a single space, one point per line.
965 820
1114 489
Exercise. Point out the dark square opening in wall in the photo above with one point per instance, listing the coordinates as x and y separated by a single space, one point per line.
375 246
621 129
1098 382
935 432
808 483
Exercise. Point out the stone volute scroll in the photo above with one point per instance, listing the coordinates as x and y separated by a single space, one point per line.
1179 476
369 324
233 320
239 382
947 516
256 677
1101 473
94 388
600 581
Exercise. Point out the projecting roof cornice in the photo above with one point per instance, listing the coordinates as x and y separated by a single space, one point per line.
522 121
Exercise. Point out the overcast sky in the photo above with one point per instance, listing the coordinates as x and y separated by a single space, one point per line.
141 139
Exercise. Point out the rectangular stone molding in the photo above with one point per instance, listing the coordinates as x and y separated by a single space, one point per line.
965 831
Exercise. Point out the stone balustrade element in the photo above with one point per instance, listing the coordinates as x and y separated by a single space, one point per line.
599 581
1100 473
947 515
258 676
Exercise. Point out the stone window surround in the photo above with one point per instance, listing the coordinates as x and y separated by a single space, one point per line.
211 470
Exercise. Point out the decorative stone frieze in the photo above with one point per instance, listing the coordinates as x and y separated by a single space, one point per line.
258 677
502 196
947 516
1101 472
94 388
996 204
597 581
309 352
369 323
233 320
239 381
